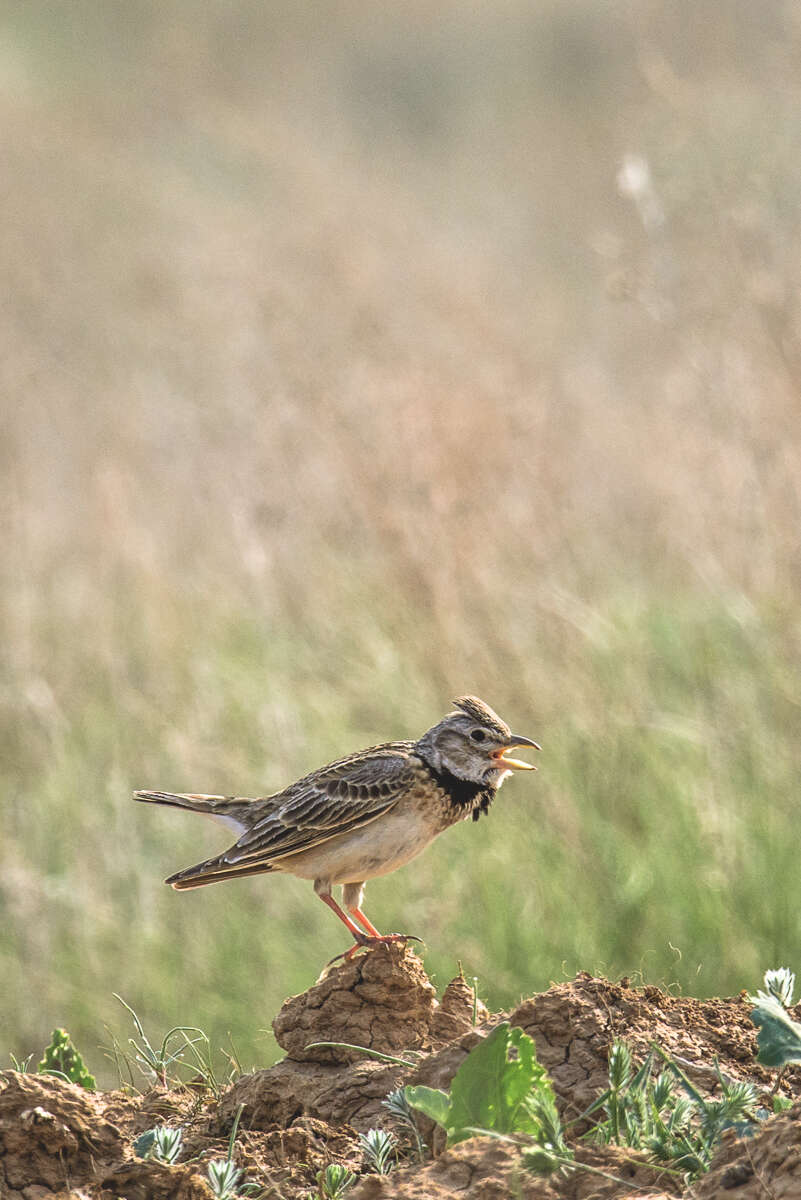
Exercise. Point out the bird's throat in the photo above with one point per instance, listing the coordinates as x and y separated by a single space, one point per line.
466 796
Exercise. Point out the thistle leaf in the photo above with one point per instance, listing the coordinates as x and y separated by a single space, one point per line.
779 1037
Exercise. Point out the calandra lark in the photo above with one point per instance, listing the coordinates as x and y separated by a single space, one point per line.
363 815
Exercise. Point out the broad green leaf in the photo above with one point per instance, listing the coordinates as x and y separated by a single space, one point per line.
493 1087
431 1101
779 1037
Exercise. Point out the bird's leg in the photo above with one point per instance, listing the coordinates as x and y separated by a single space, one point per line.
353 895
363 921
361 939
375 936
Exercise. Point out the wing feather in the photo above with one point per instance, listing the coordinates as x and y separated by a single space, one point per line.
341 797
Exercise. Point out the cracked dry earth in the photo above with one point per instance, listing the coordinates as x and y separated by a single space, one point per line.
306 1111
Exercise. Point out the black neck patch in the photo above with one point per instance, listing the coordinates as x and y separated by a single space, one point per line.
465 795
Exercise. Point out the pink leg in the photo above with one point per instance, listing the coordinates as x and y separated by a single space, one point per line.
332 904
362 940
362 919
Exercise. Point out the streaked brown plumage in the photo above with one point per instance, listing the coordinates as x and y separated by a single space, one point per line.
364 815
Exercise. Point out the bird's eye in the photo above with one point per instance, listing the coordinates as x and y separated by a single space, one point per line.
478 735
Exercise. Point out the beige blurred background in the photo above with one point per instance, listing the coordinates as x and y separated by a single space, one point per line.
354 357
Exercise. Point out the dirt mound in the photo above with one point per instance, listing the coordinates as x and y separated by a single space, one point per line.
51 1134
574 1024
383 1000
306 1112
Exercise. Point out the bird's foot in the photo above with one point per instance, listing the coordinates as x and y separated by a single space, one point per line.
365 941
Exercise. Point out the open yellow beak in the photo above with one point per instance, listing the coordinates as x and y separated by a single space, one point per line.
515 763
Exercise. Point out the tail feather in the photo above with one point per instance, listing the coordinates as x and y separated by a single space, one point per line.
231 811
194 802
211 871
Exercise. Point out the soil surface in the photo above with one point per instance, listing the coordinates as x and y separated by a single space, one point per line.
305 1112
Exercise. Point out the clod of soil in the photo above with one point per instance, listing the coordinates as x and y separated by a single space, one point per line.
383 1000
457 1010
335 1094
51 1133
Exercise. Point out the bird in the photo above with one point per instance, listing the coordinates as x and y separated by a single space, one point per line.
363 815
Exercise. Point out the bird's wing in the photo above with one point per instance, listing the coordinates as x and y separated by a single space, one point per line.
337 799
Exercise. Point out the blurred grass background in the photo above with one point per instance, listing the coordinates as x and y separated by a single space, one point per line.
354 357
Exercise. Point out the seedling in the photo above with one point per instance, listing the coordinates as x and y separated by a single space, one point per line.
332 1183
647 1111
62 1059
224 1175
398 1106
161 1143
780 984
22 1066
378 1147
779 1037
183 1048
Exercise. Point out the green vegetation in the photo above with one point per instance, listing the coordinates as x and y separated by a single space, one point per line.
379 1148
61 1058
398 1106
162 1143
664 1113
333 1182
225 1178
779 1036
183 1053
500 1088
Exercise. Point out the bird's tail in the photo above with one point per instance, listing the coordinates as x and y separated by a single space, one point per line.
229 810
213 870
209 805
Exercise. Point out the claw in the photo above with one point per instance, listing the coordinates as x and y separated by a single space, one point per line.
366 942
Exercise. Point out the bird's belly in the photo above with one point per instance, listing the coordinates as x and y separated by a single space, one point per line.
376 849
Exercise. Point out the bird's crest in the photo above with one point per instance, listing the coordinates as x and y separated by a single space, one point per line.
479 711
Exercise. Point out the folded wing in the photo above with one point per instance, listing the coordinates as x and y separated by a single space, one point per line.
340 798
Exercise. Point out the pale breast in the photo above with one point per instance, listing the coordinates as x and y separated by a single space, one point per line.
392 839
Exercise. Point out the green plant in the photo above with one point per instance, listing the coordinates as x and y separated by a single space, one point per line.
61 1058
378 1147
500 1088
779 1036
333 1182
184 1047
161 1143
21 1065
398 1106
665 1113
223 1174
378 1055
780 984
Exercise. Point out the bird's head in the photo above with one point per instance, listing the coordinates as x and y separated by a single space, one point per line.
472 743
